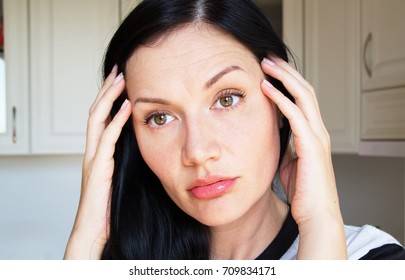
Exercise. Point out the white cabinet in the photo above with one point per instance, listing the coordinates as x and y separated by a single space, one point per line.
383 115
15 139
54 52
383 44
355 59
331 57
68 41
383 70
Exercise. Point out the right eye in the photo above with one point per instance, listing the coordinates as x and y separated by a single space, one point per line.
158 119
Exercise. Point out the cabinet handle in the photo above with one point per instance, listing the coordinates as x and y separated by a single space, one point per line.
14 137
366 45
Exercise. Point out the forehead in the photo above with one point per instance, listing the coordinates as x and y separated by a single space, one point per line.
193 50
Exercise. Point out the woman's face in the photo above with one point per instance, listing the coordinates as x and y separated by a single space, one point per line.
203 125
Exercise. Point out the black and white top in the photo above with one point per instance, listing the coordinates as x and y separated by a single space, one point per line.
365 243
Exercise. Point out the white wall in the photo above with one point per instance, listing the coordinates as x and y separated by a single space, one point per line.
39 196
38 201
371 191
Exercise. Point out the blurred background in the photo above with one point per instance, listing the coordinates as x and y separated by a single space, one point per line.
352 52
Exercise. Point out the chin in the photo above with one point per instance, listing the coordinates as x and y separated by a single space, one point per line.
215 223
215 217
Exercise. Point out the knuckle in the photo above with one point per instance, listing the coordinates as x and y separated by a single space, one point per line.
104 141
326 139
91 120
108 137
311 88
91 109
329 140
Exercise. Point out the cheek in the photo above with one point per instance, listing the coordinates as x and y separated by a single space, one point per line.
260 127
159 153
261 141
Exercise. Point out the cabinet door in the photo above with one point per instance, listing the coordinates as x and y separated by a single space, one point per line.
68 41
383 39
383 115
332 29
14 135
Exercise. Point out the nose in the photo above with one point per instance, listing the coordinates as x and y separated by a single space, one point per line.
200 144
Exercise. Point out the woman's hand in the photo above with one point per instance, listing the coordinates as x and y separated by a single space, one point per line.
90 230
308 177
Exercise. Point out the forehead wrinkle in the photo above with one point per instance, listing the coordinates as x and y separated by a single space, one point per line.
205 40
185 66
196 57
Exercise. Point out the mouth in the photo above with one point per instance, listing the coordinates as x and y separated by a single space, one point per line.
211 187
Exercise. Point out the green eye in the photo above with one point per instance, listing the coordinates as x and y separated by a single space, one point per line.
226 101
160 119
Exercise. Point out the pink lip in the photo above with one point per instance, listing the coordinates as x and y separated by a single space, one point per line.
211 187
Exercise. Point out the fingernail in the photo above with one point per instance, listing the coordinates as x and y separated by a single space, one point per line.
124 104
118 79
268 61
114 69
268 84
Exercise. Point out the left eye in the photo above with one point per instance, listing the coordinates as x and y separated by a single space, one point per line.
228 100
158 119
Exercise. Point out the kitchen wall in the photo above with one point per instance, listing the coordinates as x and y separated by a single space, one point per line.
39 196
38 201
371 190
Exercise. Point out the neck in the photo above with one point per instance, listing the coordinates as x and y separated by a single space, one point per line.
249 236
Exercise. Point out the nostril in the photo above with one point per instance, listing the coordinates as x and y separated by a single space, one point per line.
198 149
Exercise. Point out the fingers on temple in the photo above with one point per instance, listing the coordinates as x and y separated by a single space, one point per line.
98 119
291 70
296 85
106 147
106 85
291 111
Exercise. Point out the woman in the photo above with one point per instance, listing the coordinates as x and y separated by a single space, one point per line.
199 130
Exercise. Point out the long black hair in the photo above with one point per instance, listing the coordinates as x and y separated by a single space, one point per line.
145 223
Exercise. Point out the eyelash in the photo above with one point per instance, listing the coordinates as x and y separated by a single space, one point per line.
229 92
151 115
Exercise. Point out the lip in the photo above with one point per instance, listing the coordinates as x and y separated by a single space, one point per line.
211 187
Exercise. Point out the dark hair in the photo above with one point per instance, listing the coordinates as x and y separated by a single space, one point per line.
145 223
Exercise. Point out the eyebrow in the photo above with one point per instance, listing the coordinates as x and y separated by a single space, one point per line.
208 84
218 76
152 100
